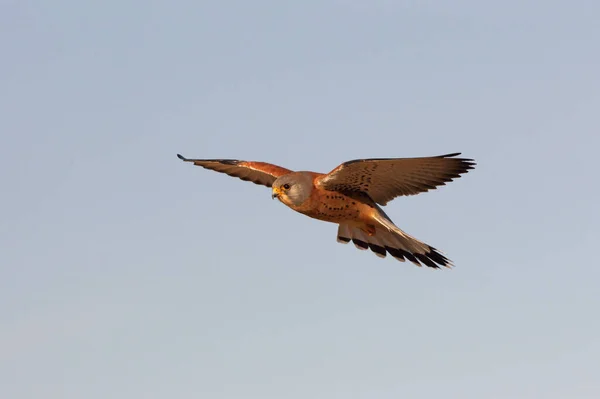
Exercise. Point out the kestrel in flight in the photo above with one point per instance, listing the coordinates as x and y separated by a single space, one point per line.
350 196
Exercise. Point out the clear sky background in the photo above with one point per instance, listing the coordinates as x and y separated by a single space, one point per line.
125 273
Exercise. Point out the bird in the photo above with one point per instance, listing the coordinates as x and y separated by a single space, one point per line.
352 194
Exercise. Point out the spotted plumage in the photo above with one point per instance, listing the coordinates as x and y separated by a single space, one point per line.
351 195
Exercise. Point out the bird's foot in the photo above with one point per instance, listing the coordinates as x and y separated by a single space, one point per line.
370 230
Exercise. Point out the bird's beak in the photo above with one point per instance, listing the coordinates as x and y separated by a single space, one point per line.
275 193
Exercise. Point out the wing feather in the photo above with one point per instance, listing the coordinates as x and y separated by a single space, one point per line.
257 172
384 179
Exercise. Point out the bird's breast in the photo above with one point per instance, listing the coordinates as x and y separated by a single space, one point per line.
332 206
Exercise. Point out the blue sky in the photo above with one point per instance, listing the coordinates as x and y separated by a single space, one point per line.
126 273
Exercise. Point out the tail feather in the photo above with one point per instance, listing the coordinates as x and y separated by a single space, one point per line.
395 242
344 235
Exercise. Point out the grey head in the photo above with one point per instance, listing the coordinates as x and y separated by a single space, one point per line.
293 189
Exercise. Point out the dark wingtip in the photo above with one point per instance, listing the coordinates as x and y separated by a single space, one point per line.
454 154
181 157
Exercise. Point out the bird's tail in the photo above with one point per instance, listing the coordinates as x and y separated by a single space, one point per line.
388 238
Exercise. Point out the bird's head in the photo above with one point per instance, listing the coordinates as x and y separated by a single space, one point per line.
292 189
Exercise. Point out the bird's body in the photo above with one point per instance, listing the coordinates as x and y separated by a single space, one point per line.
350 196
333 206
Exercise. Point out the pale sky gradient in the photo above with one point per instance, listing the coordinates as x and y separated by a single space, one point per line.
125 273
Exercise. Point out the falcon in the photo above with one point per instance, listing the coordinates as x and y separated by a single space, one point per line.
351 196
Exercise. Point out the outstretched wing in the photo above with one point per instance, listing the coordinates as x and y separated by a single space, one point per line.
387 178
257 172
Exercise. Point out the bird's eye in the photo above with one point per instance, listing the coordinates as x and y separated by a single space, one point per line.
286 186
